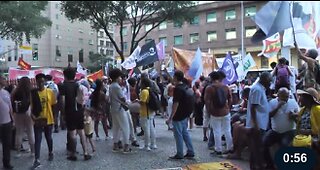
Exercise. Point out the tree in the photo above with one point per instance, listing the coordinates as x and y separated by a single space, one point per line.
19 19
138 13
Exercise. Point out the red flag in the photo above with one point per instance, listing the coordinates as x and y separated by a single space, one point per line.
24 65
95 76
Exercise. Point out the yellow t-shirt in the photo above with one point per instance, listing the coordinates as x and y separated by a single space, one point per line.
144 98
47 99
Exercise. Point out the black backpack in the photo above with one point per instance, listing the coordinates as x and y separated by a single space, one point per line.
189 100
220 98
154 102
21 103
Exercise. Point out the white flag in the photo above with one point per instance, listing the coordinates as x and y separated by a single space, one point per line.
80 69
248 62
130 62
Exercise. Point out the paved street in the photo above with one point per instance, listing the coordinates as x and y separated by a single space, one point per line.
104 158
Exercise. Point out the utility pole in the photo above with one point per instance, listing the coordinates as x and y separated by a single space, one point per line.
242 44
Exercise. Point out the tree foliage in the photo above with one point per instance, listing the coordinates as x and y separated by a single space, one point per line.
19 19
137 13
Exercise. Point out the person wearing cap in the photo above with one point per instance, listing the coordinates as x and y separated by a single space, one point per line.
308 74
308 119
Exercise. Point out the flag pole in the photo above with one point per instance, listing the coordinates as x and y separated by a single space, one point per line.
242 44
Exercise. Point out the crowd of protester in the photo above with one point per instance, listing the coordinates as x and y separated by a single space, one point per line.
259 116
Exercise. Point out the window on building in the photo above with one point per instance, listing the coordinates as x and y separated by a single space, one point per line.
230 14
124 31
194 38
91 32
58 37
163 25
250 11
250 31
231 34
178 40
164 39
111 34
264 62
177 24
80 30
57 16
9 53
148 27
58 51
101 43
81 40
195 20
16 53
91 53
35 52
57 27
9 58
125 46
101 33
111 52
70 58
212 36
81 55
102 51
211 17
90 42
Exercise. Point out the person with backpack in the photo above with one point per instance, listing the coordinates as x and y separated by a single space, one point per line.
147 115
218 101
183 103
21 103
74 114
282 73
55 108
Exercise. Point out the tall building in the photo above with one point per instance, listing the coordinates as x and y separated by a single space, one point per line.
63 43
216 26
105 46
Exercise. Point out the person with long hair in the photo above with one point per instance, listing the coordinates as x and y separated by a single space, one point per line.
21 97
99 101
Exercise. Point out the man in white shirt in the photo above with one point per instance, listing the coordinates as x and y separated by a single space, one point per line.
6 122
258 118
282 125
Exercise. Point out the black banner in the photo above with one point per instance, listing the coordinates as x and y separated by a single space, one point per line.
148 54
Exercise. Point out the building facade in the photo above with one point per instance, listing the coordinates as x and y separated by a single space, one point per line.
105 47
216 27
63 43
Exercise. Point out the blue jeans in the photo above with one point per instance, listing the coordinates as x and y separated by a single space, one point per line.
38 138
181 134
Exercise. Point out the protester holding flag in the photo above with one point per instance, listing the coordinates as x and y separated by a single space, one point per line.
311 68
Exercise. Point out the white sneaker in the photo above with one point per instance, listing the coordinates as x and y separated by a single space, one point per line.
154 147
145 148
